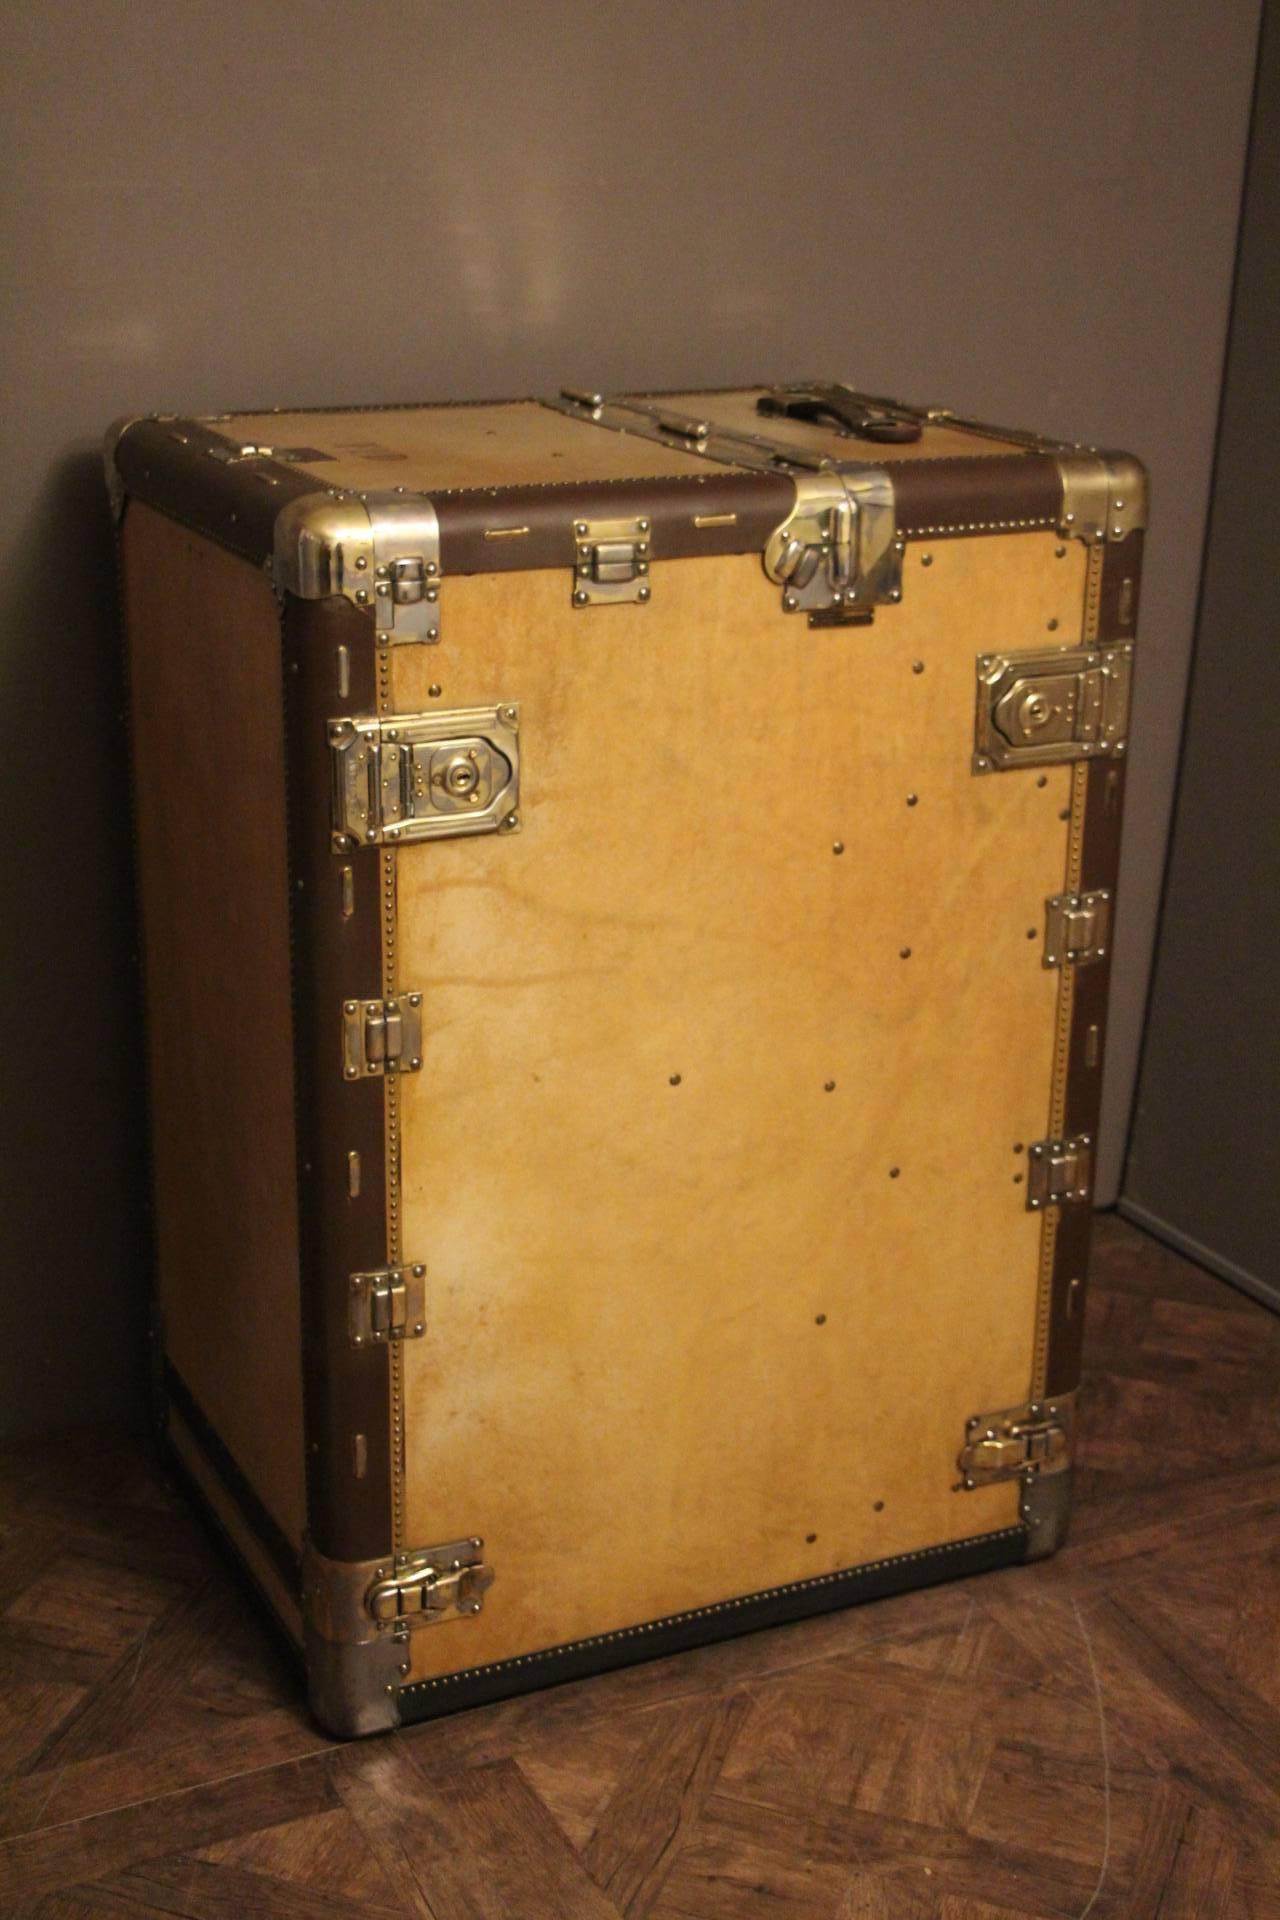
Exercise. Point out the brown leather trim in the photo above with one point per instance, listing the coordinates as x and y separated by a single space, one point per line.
981 494
1100 862
758 502
1121 584
168 464
346 1390
703 1626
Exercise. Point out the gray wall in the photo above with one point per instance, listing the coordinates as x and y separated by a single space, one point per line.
1026 212
1201 1168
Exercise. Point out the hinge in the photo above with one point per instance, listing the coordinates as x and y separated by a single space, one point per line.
1058 1171
612 563
429 1583
382 1036
388 1304
425 776
837 555
1031 1439
380 550
1055 704
1076 927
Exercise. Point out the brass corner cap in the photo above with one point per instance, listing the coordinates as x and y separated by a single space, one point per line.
1104 495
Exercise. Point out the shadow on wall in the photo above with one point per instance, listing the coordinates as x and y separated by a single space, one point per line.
66 972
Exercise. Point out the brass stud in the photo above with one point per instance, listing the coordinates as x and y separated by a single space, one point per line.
837 846
828 1086
917 666
894 1172
819 1319
674 1080
926 559
913 799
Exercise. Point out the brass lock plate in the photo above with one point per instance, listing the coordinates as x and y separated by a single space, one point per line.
1053 705
425 776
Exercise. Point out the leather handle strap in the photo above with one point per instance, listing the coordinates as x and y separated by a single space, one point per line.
840 407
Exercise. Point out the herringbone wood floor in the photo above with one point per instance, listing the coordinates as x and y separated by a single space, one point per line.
1097 1735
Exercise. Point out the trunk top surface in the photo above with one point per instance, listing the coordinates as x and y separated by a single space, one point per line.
522 443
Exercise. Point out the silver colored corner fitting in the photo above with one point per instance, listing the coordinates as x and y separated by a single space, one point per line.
381 551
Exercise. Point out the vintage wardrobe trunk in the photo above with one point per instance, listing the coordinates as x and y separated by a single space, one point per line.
627 889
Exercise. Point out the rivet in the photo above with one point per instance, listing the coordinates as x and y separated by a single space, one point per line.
904 953
1065 814
790 602
896 594
912 799
643 525
877 1506
1058 552
579 599
1032 933
1043 780
643 594
1017 1146
828 1086
1017 1179
580 527
362 598
361 563
809 1539
674 1080
435 690
894 1172
917 666
926 559
837 846
819 1319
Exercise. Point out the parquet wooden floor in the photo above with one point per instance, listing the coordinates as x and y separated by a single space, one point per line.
1097 1735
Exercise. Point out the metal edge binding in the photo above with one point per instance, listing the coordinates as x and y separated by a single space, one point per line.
1044 1507
380 550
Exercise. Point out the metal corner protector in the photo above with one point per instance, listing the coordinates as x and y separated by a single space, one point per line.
380 551
1104 496
354 1672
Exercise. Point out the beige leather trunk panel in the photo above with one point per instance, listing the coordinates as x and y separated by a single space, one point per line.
512 444
207 725
696 1324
